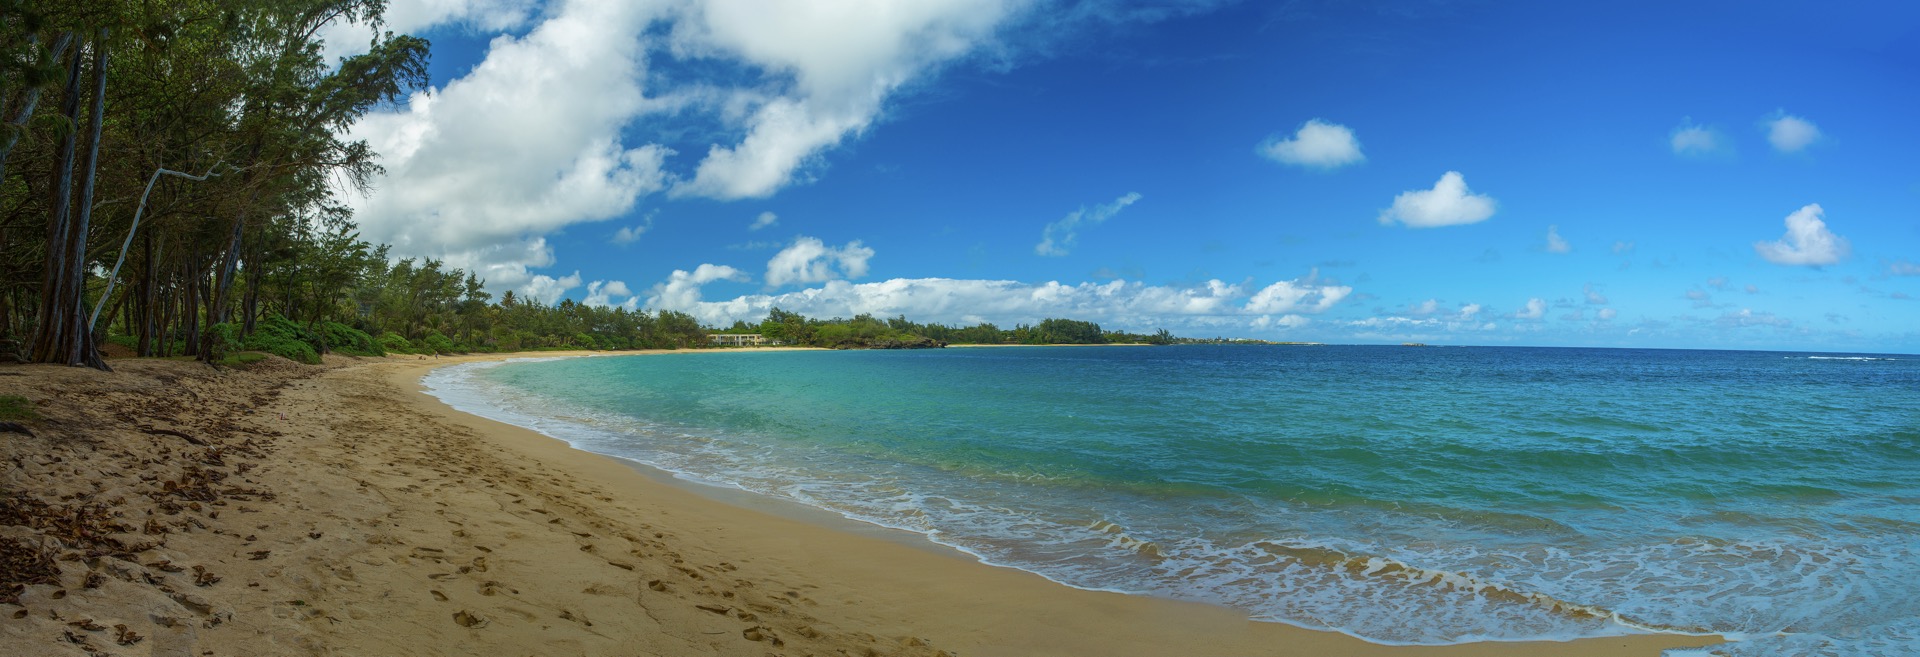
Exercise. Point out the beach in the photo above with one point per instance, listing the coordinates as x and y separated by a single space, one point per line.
339 510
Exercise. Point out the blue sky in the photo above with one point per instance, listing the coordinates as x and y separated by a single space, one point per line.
1702 174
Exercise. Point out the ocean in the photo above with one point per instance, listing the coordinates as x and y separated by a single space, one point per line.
1402 495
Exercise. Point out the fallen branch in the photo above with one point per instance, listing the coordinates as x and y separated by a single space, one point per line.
14 427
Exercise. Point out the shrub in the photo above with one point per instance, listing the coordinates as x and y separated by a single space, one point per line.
395 343
438 343
280 336
351 341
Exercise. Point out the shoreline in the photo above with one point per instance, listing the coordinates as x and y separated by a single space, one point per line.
341 510
825 537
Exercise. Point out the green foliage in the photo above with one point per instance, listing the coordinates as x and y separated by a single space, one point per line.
396 343
14 408
281 337
867 332
439 344
350 341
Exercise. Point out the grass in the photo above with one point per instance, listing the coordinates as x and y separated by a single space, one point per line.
14 408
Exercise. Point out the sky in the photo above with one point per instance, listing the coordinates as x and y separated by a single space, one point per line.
1695 174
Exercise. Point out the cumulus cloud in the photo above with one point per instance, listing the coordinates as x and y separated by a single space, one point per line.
1695 140
1536 308
344 39
1119 302
809 260
1807 242
764 220
1607 314
547 289
681 290
1449 203
526 143
839 62
609 293
1057 236
1789 133
1556 244
538 136
1317 144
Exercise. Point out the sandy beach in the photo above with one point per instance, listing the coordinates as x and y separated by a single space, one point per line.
171 509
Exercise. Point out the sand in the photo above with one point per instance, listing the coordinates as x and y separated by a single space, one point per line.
338 510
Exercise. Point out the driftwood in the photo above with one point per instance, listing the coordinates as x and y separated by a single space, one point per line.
14 427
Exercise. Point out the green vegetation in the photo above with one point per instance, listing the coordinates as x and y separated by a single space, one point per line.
867 332
14 408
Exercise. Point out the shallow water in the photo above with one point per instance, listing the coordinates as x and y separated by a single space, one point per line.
1402 495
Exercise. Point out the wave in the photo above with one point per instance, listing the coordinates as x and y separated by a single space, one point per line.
1376 584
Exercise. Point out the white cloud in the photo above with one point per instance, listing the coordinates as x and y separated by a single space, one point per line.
835 64
681 290
1304 294
1449 203
631 234
1594 297
1283 322
1807 242
809 260
1118 302
1536 308
1753 289
1717 282
536 137
1469 311
547 289
1692 139
1057 236
764 220
345 39
1555 244
1622 248
607 293
1317 144
1789 133
1607 314
1903 268
1425 308
526 143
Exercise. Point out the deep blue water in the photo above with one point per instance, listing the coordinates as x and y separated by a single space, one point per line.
1403 495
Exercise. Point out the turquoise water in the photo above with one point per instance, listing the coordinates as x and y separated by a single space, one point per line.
1402 495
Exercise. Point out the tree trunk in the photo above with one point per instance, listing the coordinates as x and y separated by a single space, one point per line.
82 349
223 283
146 311
49 331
